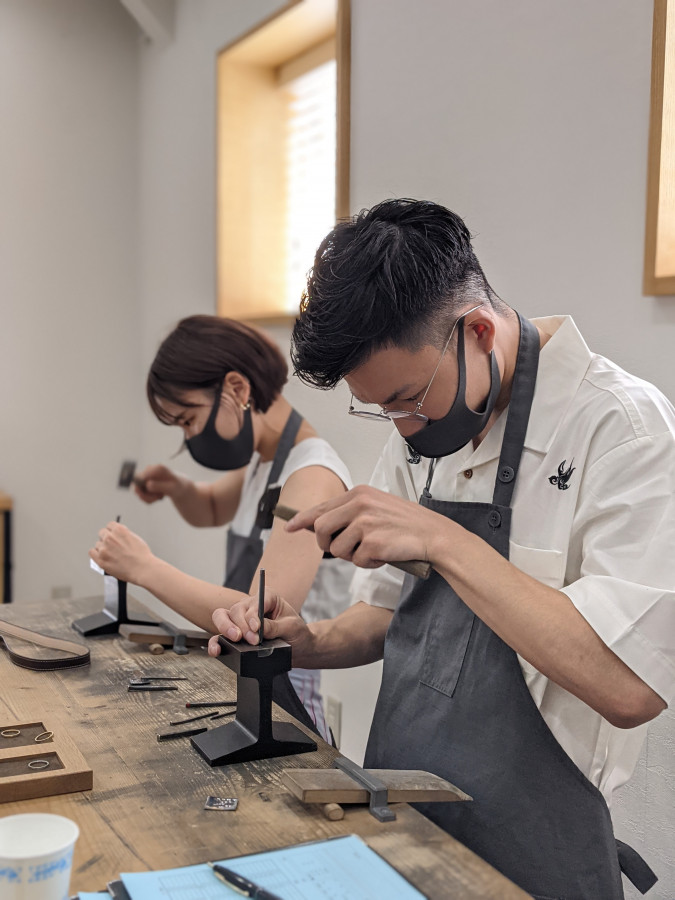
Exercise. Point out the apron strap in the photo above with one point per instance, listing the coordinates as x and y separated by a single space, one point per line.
518 414
635 868
286 442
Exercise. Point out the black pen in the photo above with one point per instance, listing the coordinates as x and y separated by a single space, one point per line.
261 606
242 885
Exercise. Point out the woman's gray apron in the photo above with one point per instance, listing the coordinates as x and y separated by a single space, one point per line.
454 702
244 554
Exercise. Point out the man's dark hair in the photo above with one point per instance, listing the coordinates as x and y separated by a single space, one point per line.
391 276
199 353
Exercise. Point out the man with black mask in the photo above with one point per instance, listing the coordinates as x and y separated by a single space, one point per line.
538 479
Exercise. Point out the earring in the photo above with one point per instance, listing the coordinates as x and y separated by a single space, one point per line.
10 732
245 406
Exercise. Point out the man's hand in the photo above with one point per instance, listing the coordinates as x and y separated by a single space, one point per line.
156 482
370 527
281 621
121 553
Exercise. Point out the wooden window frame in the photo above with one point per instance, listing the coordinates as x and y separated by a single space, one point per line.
661 180
249 249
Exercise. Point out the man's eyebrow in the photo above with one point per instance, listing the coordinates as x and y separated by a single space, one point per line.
405 389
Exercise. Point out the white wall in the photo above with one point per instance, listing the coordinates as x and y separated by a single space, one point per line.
69 346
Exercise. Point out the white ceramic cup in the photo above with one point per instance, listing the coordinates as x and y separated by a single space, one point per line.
36 852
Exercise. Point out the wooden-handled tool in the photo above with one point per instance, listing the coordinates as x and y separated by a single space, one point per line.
412 566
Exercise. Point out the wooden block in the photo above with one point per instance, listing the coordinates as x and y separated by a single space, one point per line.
335 786
333 812
155 634
67 770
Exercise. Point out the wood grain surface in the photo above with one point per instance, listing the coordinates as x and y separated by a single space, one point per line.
146 809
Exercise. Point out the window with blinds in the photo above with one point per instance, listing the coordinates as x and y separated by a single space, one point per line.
282 155
310 172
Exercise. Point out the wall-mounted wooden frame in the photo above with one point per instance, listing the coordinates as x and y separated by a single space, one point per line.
250 203
659 271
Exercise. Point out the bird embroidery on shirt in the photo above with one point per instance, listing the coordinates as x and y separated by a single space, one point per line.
563 476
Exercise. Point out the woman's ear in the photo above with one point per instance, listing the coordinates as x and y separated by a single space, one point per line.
240 387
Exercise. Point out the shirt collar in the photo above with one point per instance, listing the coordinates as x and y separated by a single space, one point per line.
563 362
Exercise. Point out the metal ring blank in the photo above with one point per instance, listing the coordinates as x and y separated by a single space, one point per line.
44 736
38 764
10 732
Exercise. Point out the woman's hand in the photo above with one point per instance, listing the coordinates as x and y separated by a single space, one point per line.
156 482
121 553
281 621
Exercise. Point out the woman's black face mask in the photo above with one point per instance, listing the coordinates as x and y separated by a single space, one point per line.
209 449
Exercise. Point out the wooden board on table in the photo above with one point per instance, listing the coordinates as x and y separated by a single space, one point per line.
403 786
155 634
67 770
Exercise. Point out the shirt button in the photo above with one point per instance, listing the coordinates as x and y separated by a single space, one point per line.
468 473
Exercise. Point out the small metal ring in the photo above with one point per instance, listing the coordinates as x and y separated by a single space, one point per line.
43 737
10 732
38 764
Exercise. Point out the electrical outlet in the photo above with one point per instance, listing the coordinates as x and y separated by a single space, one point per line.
61 592
334 717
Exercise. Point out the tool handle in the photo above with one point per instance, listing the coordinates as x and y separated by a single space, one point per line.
416 567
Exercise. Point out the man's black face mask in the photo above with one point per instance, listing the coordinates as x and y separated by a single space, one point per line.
441 437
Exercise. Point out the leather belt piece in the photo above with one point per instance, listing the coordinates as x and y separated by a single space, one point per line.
79 653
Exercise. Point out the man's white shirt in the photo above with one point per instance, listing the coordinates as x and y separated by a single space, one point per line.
593 516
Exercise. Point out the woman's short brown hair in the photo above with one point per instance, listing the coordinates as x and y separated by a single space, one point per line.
199 353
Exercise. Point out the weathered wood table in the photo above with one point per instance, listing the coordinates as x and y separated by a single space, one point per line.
146 809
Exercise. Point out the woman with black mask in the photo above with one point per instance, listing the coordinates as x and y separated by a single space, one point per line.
221 382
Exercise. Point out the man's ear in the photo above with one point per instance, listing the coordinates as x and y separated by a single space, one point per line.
240 387
483 330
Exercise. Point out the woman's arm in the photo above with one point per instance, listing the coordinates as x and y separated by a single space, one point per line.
290 560
202 504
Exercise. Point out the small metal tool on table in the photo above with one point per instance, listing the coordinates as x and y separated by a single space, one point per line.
145 683
416 567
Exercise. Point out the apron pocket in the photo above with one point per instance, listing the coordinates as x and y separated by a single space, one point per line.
445 653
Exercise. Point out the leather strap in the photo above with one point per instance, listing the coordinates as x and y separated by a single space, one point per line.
80 654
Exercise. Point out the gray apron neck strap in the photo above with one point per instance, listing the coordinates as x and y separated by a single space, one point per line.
518 415
286 442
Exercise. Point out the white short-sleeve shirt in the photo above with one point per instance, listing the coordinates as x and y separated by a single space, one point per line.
329 594
593 516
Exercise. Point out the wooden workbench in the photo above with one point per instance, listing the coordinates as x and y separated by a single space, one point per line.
146 808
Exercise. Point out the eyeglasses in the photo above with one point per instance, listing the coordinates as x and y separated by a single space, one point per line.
389 415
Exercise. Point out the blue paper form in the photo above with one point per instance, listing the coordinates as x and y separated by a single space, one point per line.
342 868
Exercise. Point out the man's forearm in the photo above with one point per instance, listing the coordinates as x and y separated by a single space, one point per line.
543 626
354 638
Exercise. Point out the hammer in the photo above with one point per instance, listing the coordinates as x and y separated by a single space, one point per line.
416 567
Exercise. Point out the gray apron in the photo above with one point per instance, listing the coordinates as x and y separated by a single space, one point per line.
245 552
454 702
